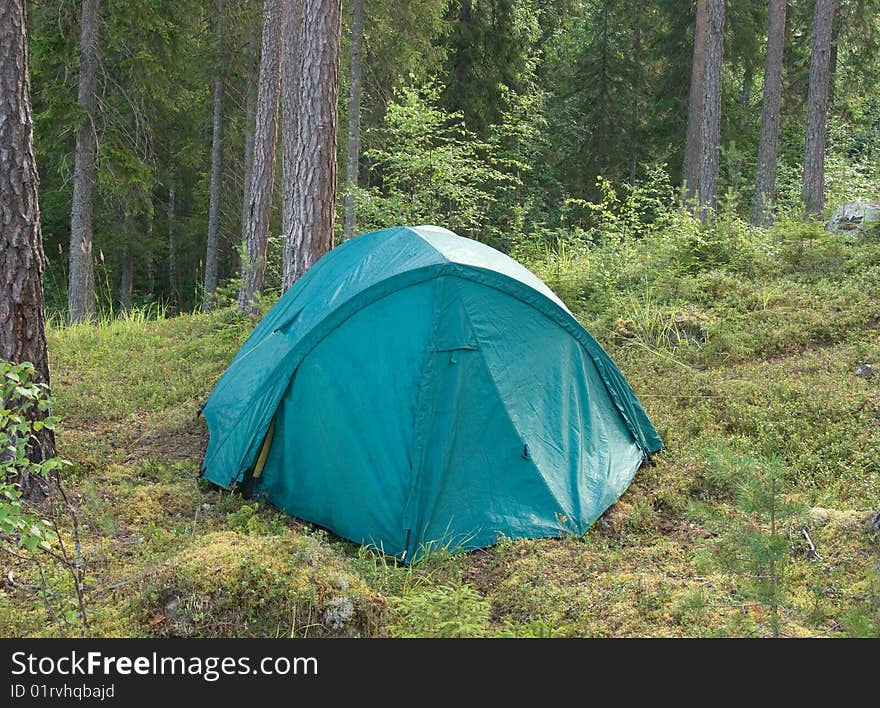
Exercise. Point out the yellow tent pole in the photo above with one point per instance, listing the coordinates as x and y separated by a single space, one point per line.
264 451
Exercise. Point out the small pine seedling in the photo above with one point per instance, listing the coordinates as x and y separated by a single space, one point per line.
754 548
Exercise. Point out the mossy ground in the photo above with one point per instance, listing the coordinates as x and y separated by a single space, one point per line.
747 339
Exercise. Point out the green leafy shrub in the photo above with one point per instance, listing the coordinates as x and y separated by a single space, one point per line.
30 534
248 518
20 399
433 169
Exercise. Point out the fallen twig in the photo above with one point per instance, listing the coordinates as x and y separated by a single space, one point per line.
813 554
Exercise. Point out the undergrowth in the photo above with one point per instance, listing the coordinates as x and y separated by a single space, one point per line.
752 339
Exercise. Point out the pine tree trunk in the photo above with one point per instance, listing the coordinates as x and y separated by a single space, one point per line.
216 168
250 114
462 66
710 125
601 142
22 263
745 97
635 128
314 160
692 153
259 205
765 179
817 109
748 80
173 289
290 57
832 62
81 286
150 260
354 118
125 264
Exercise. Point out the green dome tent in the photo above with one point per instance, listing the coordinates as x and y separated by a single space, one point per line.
416 389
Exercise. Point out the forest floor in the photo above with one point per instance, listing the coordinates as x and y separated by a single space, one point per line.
752 355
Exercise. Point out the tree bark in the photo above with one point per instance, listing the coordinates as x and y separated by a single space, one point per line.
22 263
150 259
765 178
832 62
462 65
314 159
81 286
173 289
259 204
748 80
125 264
250 114
817 110
745 98
600 144
692 153
216 168
710 125
635 127
290 58
354 118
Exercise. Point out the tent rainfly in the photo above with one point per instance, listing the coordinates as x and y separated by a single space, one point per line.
417 390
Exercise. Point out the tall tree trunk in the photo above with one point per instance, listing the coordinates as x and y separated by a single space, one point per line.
253 267
832 62
636 95
125 264
600 144
710 125
173 289
354 117
250 114
745 97
81 286
290 71
765 178
314 159
462 66
150 259
817 109
748 80
692 152
216 168
22 263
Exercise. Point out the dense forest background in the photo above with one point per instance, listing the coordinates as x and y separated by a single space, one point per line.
505 120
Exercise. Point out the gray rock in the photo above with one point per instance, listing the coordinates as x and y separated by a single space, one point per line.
338 613
852 216
873 523
818 517
847 520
